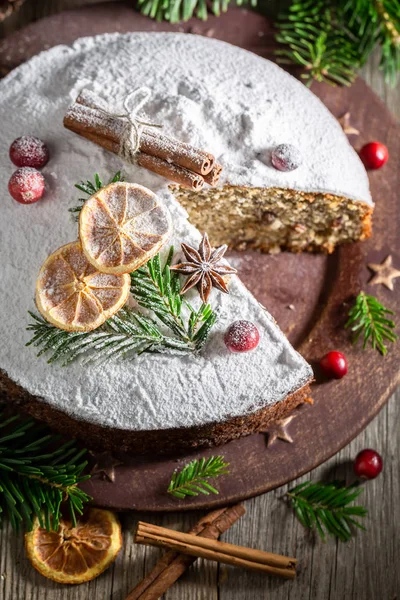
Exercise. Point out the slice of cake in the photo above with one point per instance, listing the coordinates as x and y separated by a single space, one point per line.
158 396
244 109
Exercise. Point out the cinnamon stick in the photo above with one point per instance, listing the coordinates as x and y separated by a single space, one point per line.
171 171
86 112
213 176
161 167
239 556
172 564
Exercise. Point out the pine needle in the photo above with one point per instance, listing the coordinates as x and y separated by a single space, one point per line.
37 474
326 508
368 319
192 480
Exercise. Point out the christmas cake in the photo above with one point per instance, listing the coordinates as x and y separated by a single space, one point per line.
238 373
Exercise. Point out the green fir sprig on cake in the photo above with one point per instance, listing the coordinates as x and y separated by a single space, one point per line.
38 474
174 325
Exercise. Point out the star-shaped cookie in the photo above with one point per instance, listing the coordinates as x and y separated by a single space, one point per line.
105 465
384 273
279 431
345 124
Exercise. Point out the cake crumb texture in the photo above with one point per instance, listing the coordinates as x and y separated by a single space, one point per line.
272 219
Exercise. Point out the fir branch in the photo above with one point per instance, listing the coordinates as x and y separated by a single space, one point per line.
325 507
176 11
157 288
332 39
89 188
37 474
368 318
124 334
192 480
313 35
129 333
377 22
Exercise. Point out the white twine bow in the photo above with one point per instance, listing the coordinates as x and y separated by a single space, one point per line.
130 140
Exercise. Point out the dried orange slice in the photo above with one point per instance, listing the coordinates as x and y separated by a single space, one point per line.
75 554
122 226
73 295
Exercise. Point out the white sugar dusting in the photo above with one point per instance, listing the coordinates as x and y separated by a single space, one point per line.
238 107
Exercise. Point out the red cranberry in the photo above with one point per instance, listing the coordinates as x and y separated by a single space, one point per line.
334 364
26 185
368 464
29 151
241 336
374 155
286 157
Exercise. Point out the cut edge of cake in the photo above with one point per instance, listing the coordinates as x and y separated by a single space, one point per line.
275 219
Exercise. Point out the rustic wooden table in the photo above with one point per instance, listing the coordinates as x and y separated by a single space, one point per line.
364 569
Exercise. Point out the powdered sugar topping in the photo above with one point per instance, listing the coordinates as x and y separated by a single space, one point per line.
236 107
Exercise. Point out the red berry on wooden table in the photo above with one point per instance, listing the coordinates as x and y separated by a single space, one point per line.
241 336
26 185
334 365
374 155
368 464
29 151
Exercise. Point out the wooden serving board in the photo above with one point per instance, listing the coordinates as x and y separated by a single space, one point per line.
309 295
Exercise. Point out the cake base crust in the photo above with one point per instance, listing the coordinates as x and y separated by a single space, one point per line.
151 442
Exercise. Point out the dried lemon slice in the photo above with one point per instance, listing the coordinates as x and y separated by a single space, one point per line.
73 295
122 226
75 554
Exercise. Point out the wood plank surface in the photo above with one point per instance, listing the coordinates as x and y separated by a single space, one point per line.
364 569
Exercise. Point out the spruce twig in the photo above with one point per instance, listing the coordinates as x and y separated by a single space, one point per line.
325 508
368 318
192 480
89 188
175 11
37 474
157 289
332 39
129 333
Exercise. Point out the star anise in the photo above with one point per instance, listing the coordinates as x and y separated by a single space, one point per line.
205 268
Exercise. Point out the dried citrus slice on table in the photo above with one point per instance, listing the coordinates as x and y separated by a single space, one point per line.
75 554
122 226
73 295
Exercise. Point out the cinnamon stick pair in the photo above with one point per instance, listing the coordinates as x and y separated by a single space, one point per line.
201 541
177 161
173 564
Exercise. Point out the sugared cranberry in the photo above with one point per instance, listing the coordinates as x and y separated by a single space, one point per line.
286 157
334 364
241 336
26 185
29 151
368 464
374 155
